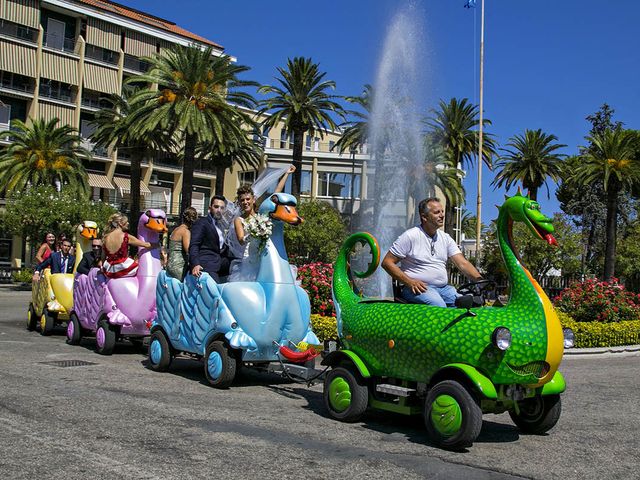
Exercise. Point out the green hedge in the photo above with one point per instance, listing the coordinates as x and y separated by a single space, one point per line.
22 276
588 334
598 334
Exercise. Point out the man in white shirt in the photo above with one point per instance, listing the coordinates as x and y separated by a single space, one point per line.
422 253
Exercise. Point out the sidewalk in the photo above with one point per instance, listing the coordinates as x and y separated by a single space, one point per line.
574 352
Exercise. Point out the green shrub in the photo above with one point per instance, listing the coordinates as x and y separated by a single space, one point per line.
598 301
22 276
319 237
598 334
324 327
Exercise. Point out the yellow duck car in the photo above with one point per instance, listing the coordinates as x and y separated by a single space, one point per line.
52 295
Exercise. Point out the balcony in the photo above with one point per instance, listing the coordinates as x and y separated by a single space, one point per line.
56 95
21 85
20 32
93 148
94 102
57 42
135 64
101 55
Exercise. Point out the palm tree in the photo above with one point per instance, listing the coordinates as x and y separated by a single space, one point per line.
197 99
453 127
114 130
42 154
531 159
302 104
356 134
610 158
440 173
248 155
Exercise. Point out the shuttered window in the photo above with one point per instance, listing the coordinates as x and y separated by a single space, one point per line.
139 44
100 79
103 34
49 111
61 68
19 59
24 12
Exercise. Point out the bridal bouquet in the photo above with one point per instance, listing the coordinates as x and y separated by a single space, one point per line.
259 227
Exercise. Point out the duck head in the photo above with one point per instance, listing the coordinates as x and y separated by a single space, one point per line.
282 207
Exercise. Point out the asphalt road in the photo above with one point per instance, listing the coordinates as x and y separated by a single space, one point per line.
117 419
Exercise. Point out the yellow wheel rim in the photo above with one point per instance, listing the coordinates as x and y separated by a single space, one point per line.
43 322
29 318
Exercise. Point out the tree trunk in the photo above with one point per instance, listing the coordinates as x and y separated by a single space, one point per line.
187 171
220 174
134 193
450 219
610 245
296 178
533 193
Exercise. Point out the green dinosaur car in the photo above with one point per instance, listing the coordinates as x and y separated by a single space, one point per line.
450 364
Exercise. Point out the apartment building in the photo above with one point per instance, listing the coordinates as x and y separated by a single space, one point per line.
59 58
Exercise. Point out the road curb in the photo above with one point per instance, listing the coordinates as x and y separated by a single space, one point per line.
602 350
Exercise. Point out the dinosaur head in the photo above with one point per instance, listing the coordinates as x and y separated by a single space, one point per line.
88 230
282 207
154 219
522 209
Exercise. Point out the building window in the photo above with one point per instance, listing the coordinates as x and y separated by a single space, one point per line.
331 145
338 185
305 184
247 178
5 114
307 145
14 81
56 90
316 144
283 139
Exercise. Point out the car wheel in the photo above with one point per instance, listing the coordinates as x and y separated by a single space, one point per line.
74 330
159 352
47 322
32 319
345 394
537 415
219 365
452 415
105 337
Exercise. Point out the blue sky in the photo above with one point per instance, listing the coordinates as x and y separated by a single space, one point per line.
548 63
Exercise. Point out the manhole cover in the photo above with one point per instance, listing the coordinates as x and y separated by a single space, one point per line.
68 363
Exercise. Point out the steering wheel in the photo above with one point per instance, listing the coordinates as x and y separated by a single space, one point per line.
477 288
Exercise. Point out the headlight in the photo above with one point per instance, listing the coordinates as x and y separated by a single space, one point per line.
569 338
501 338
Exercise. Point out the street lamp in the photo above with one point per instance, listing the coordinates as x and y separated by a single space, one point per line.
479 214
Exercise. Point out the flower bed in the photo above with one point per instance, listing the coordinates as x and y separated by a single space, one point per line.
315 278
599 301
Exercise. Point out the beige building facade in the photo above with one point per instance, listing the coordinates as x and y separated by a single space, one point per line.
59 58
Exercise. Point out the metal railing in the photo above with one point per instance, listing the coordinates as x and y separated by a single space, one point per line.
101 54
20 32
319 146
56 42
134 63
56 95
10 84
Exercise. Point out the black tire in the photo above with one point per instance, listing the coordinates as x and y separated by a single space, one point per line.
537 415
47 322
458 412
219 365
32 319
105 337
160 354
74 330
345 394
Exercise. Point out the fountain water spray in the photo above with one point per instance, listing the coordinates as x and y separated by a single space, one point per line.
395 133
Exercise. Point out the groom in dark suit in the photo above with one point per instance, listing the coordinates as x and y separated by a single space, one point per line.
59 262
207 250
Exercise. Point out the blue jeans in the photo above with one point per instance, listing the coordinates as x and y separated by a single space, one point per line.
438 296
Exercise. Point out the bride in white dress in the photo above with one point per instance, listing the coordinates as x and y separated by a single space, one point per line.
242 246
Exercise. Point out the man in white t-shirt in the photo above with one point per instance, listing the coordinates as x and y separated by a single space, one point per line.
422 253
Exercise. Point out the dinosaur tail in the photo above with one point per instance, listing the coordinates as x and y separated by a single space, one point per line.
343 292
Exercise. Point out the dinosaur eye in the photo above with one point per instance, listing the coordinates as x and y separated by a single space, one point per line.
287 209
